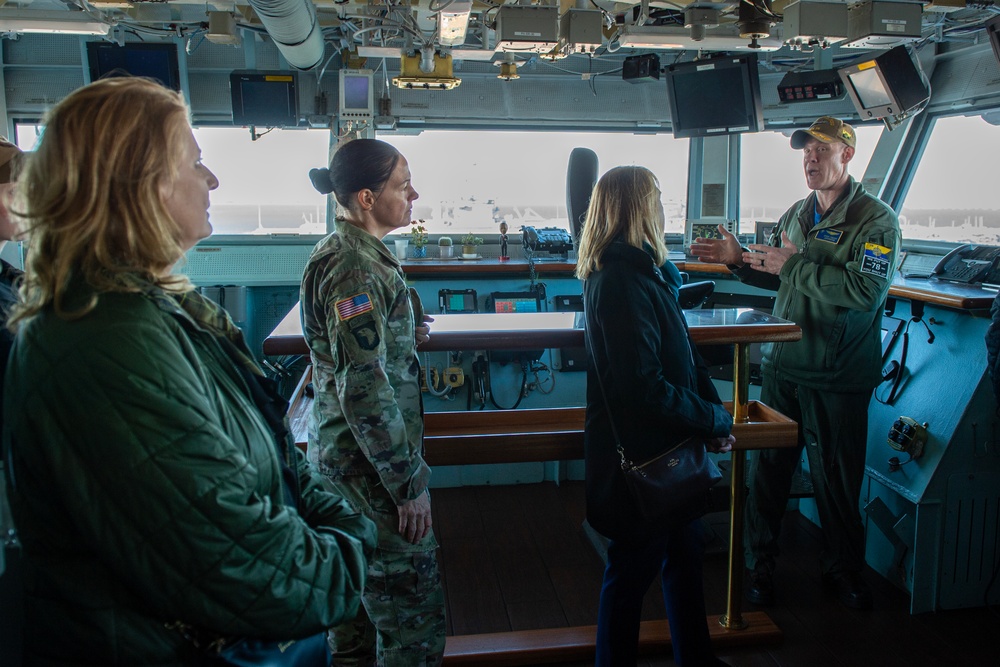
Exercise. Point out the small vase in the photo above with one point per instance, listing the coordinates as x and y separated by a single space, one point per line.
446 251
419 253
469 252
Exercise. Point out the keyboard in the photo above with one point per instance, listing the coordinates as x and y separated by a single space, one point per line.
918 266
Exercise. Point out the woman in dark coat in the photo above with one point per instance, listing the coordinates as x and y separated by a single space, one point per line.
658 393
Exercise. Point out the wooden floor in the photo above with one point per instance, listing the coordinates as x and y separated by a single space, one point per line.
517 558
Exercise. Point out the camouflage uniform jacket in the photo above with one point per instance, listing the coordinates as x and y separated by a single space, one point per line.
359 323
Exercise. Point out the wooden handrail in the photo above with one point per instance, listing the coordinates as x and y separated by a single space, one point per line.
547 434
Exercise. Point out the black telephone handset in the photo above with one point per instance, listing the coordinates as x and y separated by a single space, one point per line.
967 263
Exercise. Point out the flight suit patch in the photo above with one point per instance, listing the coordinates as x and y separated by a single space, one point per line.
353 306
365 332
829 235
875 261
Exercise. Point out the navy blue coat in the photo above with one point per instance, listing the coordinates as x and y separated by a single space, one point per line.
657 385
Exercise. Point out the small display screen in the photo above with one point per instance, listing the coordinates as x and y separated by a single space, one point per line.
460 303
355 92
870 90
515 305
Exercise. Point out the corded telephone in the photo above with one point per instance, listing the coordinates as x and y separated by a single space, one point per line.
968 263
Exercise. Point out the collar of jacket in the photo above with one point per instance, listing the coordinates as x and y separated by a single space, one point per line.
351 231
835 211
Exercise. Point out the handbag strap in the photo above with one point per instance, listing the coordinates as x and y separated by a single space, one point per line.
626 464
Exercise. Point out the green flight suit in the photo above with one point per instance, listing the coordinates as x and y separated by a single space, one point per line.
834 289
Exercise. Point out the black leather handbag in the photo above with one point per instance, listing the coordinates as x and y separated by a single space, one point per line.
671 487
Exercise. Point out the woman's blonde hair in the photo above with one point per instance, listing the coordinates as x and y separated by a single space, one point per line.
625 205
90 201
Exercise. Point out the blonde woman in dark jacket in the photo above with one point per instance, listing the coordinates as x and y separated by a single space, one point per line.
658 393
154 494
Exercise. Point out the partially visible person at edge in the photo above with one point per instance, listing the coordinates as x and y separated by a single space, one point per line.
366 430
10 278
658 393
831 260
993 349
147 485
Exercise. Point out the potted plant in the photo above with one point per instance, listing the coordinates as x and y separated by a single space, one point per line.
469 243
418 238
445 249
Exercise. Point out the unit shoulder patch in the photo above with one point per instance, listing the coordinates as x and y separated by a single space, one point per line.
365 332
875 261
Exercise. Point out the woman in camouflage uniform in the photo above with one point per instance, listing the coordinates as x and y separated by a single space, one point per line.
366 428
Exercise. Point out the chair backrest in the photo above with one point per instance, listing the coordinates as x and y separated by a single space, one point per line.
693 295
581 175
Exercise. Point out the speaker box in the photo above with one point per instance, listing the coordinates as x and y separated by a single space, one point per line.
640 69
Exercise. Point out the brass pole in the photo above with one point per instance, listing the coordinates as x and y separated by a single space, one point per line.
733 618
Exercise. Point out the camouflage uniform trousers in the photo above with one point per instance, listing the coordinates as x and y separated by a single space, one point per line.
402 620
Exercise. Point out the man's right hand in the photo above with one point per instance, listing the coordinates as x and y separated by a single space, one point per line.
726 250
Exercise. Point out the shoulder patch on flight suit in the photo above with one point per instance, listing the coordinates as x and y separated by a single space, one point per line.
353 306
365 332
829 235
876 260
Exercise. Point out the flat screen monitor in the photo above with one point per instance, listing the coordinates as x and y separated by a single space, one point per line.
264 99
993 32
458 301
515 302
154 61
888 85
715 96
356 94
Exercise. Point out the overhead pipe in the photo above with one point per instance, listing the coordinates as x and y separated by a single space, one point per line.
293 26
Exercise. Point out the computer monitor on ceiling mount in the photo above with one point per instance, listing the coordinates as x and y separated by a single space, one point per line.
993 32
264 99
887 86
716 96
147 59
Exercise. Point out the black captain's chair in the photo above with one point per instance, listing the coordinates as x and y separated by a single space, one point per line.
693 295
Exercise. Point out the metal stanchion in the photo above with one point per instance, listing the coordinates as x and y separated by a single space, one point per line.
733 618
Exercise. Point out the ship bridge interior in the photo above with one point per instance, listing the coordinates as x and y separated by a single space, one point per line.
506 91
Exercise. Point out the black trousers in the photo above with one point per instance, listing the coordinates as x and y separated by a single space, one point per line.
833 429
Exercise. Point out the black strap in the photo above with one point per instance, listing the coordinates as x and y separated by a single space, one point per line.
272 406
625 463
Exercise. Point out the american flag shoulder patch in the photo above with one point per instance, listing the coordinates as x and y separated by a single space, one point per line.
353 306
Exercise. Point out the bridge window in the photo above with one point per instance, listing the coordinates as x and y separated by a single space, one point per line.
771 175
470 181
264 184
953 195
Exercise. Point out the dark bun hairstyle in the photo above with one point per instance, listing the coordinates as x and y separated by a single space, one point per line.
321 180
357 165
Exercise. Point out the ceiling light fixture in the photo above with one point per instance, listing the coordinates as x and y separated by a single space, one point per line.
453 22
52 22
657 37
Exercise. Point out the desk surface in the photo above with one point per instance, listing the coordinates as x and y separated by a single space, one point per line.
929 290
519 331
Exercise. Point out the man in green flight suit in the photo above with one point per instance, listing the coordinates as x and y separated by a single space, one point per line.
362 325
831 260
